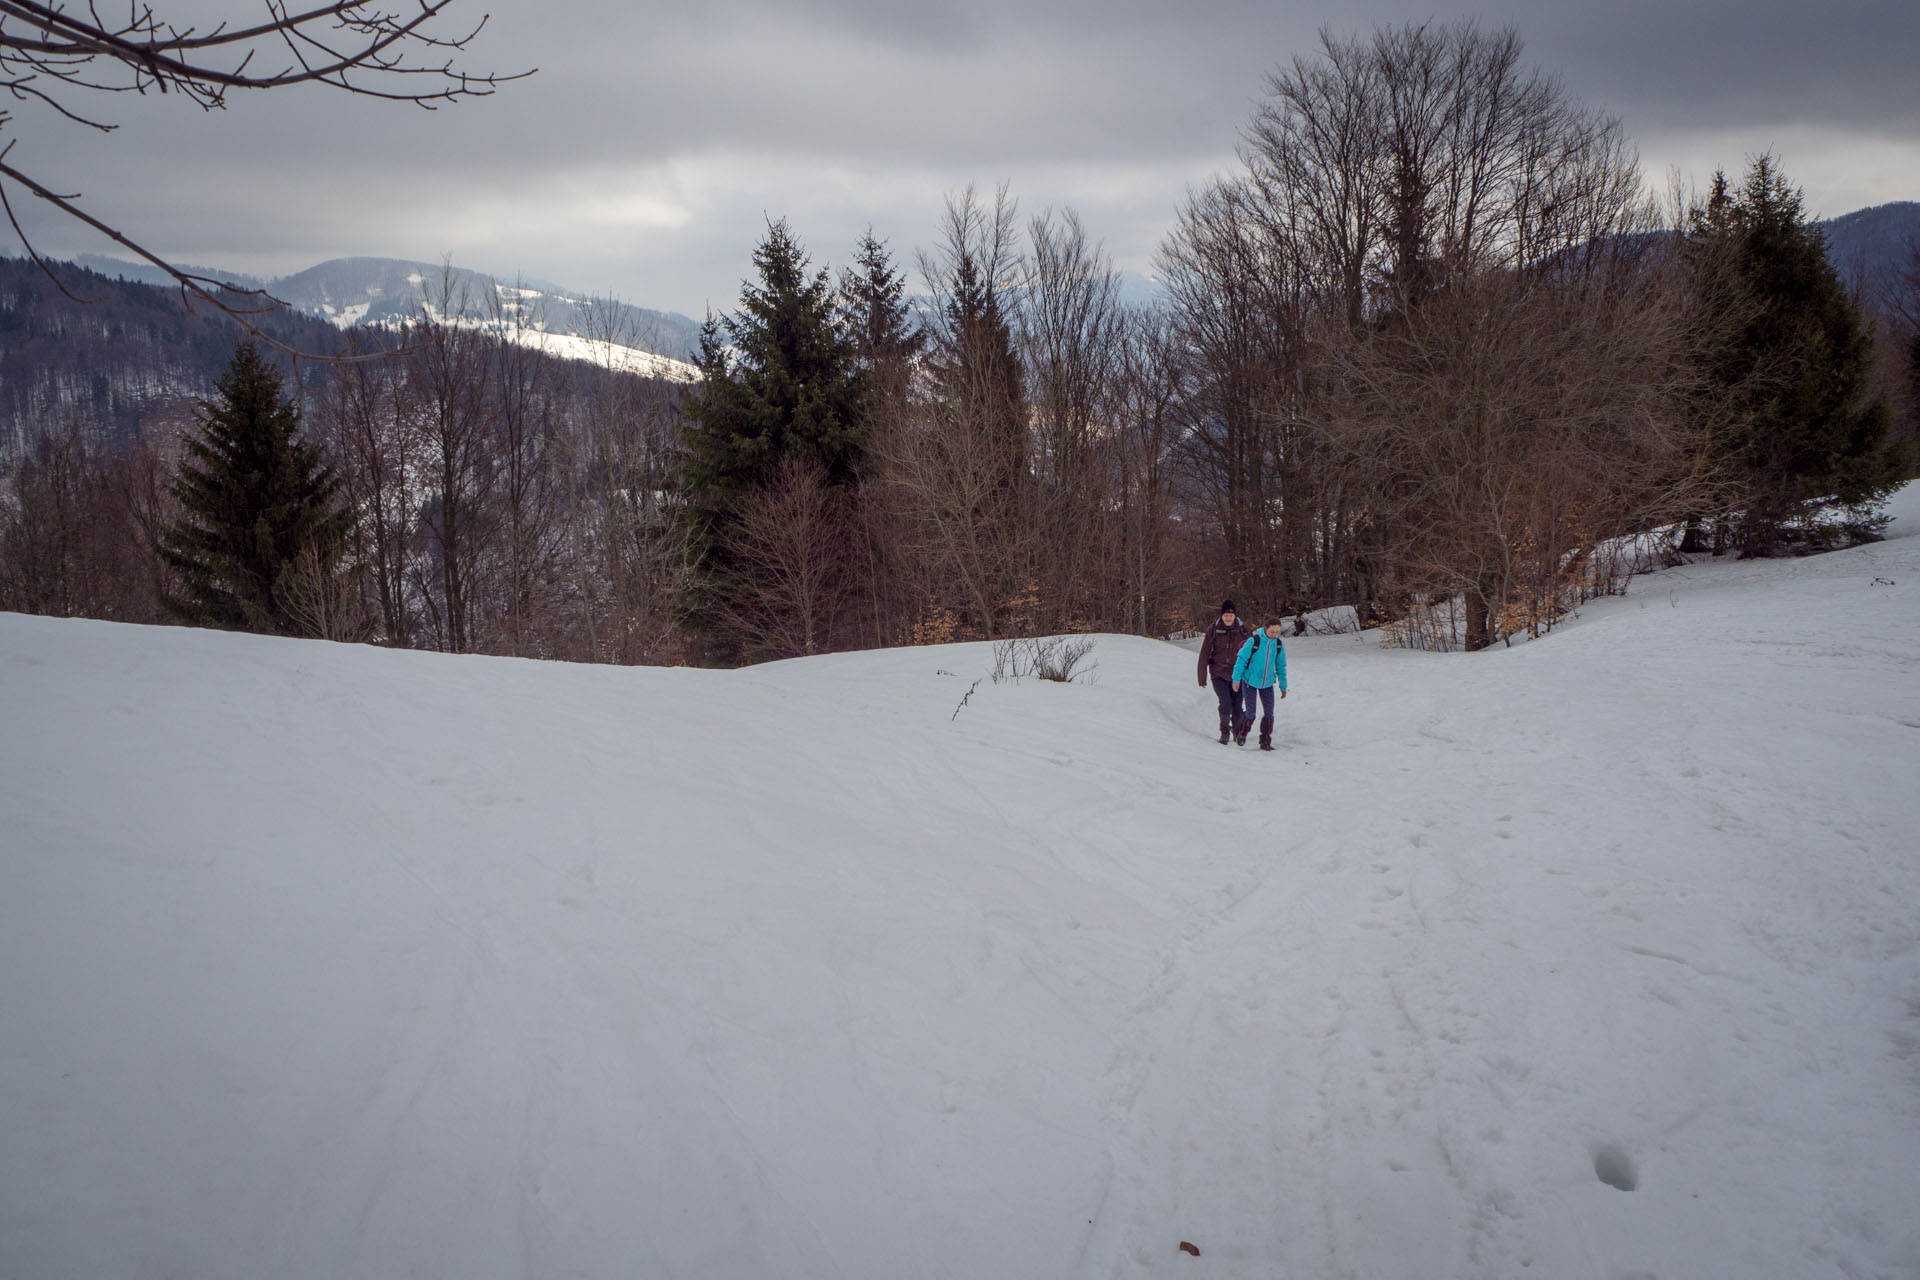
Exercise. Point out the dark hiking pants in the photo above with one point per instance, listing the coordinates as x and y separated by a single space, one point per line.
1247 693
1229 705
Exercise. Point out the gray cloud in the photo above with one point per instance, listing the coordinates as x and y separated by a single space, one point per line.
655 140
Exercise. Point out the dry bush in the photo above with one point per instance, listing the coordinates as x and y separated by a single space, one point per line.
327 604
1056 658
1428 626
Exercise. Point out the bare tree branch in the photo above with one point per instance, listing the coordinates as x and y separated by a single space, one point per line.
50 51
191 286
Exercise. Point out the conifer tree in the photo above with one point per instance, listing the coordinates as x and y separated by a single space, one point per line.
1797 365
262 524
888 340
778 380
780 388
873 308
975 373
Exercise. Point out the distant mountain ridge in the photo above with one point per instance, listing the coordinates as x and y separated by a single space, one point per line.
1870 242
1864 246
376 291
129 354
115 356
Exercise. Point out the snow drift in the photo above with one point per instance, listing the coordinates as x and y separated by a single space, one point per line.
1594 957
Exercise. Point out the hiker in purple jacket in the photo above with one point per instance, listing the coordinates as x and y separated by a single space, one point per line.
1218 649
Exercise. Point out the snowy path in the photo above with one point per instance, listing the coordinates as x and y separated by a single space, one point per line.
1598 957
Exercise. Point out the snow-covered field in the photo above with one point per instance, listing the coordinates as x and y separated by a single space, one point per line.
1597 957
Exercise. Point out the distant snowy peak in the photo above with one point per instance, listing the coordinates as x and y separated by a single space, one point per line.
383 291
388 291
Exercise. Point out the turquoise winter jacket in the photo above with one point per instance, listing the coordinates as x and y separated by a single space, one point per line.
1262 662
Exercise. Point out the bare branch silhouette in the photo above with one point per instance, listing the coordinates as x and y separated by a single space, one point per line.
54 54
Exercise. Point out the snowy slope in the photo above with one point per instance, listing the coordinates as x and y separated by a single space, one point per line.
390 292
322 961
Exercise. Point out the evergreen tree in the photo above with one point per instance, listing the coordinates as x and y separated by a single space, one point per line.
778 380
976 374
978 357
781 388
873 308
262 531
1796 364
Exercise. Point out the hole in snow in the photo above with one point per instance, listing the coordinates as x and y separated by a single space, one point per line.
1613 1166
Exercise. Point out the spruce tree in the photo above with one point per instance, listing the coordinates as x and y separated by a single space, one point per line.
1796 365
874 311
977 379
778 380
780 385
261 520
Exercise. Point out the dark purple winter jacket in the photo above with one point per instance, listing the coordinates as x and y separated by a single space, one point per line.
1220 646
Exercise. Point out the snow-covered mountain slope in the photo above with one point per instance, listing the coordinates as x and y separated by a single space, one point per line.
391 291
529 331
380 291
1598 957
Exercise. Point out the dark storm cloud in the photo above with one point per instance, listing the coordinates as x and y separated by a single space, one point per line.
656 139
1719 64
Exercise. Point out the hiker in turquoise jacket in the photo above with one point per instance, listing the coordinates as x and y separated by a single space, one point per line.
1260 669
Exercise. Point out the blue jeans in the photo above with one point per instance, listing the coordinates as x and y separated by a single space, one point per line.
1247 693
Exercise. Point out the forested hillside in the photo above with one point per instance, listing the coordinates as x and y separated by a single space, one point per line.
110 355
1453 404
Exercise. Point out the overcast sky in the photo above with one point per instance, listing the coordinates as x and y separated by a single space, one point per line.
647 153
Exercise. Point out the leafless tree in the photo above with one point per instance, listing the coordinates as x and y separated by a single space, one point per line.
1386 316
962 475
1151 383
1232 291
1898 343
789 548
326 603
626 538
67 57
1072 329
54 543
448 366
1389 163
1510 425
77 516
1315 160
367 422
523 413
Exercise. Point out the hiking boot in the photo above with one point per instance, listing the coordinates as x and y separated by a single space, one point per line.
1266 733
1225 736
1266 744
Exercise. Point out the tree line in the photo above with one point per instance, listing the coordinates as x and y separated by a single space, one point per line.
1430 351
1432 347
467 493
